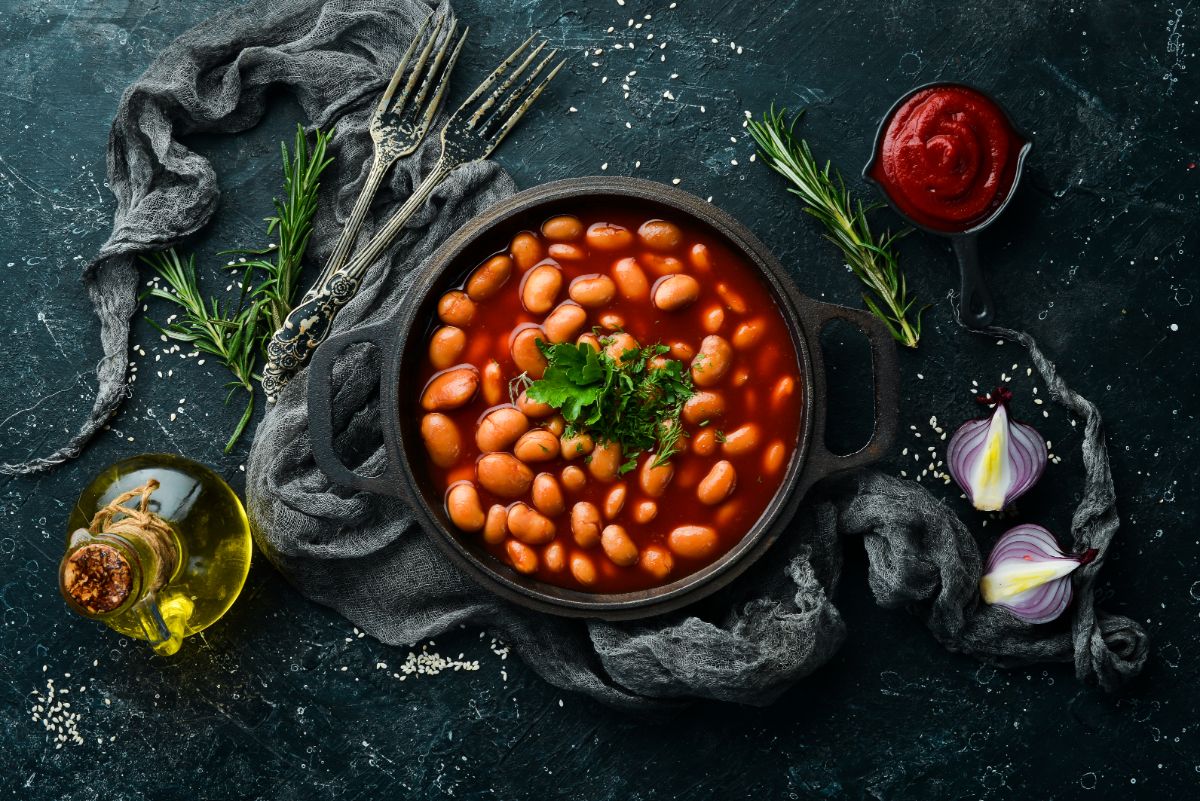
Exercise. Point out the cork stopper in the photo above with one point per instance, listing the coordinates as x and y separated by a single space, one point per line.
97 577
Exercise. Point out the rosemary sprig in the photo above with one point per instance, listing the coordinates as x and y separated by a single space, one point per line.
825 196
292 223
236 334
228 333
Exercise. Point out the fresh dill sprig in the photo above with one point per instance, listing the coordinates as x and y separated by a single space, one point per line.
825 196
238 333
228 333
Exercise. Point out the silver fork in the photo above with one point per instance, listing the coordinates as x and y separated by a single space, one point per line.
471 134
397 129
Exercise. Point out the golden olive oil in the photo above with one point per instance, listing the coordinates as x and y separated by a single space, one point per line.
170 561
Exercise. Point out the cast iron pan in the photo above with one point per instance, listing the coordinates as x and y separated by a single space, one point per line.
403 338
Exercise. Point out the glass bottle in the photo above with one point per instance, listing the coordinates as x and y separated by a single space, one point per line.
158 549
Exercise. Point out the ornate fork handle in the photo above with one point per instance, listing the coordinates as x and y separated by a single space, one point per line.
309 324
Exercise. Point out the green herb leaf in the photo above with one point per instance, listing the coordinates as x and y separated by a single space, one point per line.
629 401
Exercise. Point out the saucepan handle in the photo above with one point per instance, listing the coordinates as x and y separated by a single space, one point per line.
885 371
320 414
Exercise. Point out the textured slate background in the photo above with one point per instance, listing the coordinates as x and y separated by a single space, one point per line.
1096 258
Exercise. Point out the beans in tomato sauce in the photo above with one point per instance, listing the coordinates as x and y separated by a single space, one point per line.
557 505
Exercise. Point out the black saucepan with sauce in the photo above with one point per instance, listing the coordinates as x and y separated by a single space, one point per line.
403 338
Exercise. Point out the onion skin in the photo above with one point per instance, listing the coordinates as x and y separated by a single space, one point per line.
996 460
1028 575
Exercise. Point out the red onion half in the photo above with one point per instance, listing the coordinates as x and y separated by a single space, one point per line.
994 459
1029 575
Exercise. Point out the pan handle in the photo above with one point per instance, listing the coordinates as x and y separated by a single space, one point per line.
885 371
320 415
975 307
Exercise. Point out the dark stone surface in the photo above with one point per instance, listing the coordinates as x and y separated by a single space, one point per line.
1096 258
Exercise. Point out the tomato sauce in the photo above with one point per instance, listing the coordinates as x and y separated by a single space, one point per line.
756 434
948 157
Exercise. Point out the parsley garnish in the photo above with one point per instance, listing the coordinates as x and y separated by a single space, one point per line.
629 403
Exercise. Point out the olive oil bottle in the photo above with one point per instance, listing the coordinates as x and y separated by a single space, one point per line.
158 548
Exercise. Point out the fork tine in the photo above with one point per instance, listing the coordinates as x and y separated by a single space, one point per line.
502 111
487 104
431 74
496 73
515 117
399 73
439 91
418 69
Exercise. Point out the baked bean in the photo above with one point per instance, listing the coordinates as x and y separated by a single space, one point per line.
450 389
700 258
563 228
733 300
631 280
661 265
681 351
727 514
555 424
655 478
554 557
575 446
495 527
712 320
592 291
547 495
583 569
532 408
748 334
446 345
529 525
442 439
718 484
614 501
712 362
693 542
591 340
740 377
492 382
617 345
564 322
607 237
538 445
500 428
660 235
605 463
773 457
585 524
657 561
611 321
704 442
676 292
455 308
703 406
503 474
742 439
523 558
565 252
523 347
462 504
489 277
618 546
573 478
644 512
526 250
783 390
540 287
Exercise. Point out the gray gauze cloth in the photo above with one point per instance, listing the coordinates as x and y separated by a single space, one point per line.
365 556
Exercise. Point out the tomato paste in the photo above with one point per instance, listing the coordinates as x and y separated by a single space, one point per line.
948 157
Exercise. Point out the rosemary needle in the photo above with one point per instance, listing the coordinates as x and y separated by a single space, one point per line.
825 196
